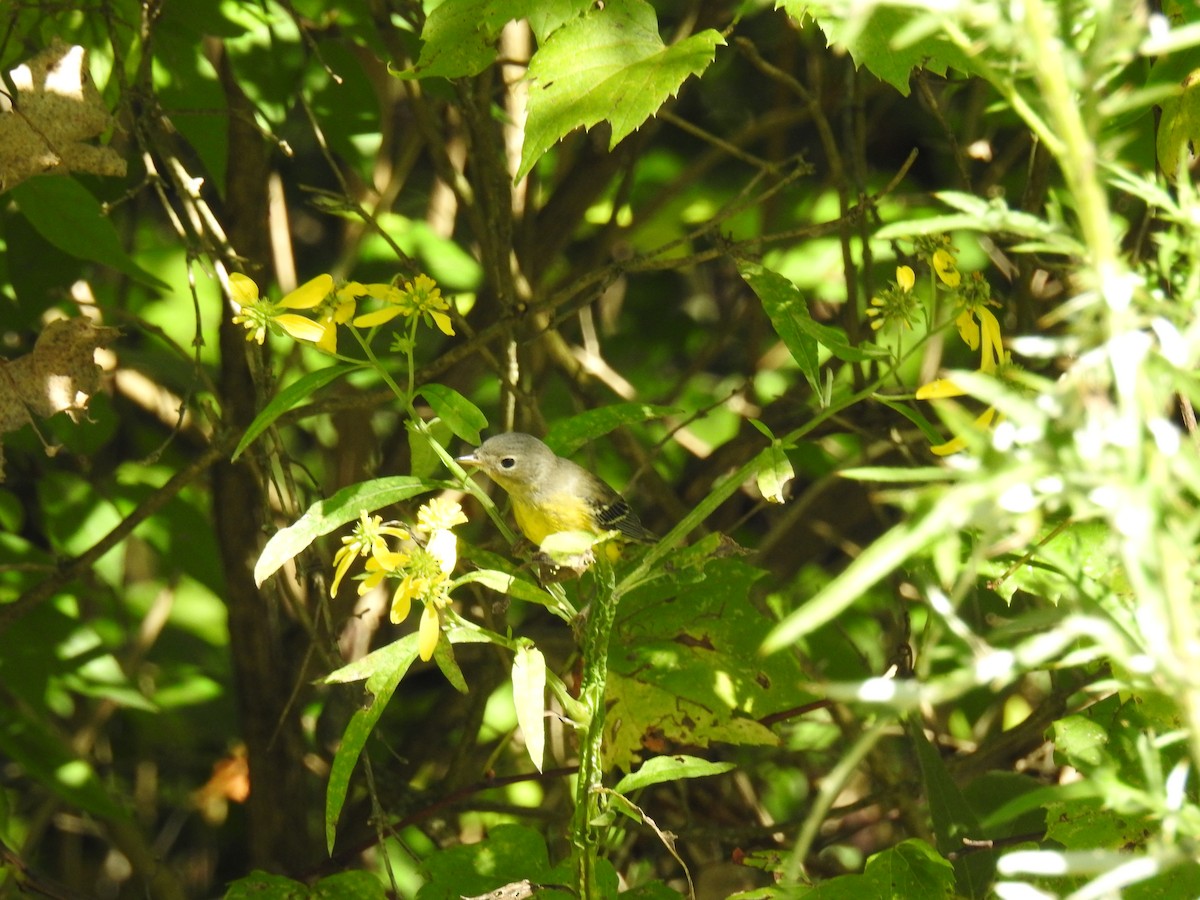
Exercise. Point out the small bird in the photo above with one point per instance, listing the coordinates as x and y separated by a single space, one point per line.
550 494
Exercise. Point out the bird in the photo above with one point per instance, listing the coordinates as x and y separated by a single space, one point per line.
551 494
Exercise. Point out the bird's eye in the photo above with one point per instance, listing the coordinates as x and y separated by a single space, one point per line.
508 462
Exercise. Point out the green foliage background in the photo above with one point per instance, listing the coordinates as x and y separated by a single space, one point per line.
663 226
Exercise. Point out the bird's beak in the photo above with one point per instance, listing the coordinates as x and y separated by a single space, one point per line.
468 460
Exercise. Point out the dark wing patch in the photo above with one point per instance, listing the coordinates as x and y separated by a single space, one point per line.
617 516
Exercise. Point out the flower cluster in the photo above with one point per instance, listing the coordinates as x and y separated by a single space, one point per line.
897 303
977 326
421 568
331 305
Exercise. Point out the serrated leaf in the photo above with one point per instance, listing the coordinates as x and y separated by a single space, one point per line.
461 416
66 214
670 768
459 38
296 392
529 698
889 42
326 515
609 65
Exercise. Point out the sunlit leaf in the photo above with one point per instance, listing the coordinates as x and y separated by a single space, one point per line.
609 65
529 697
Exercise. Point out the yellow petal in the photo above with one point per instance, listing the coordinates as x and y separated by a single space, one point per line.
905 277
309 294
402 601
300 327
428 633
943 264
385 292
942 387
350 291
378 317
993 343
342 560
968 328
242 289
443 323
328 341
955 445
344 311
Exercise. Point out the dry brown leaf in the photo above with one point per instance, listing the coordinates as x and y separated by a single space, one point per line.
59 375
56 110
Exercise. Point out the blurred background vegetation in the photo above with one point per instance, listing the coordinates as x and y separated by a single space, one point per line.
974 655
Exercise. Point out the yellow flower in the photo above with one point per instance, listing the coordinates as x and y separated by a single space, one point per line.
896 303
260 315
944 264
991 360
367 539
419 297
975 320
440 513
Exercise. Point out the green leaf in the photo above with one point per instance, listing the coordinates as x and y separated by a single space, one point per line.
930 433
349 886
910 869
296 392
459 38
786 308
992 216
529 697
684 665
1179 128
505 583
508 855
382 683
670 768
953 819
461 416
608 65
66 214
443 658
889 42
566 436
259 885
326 515
423 461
